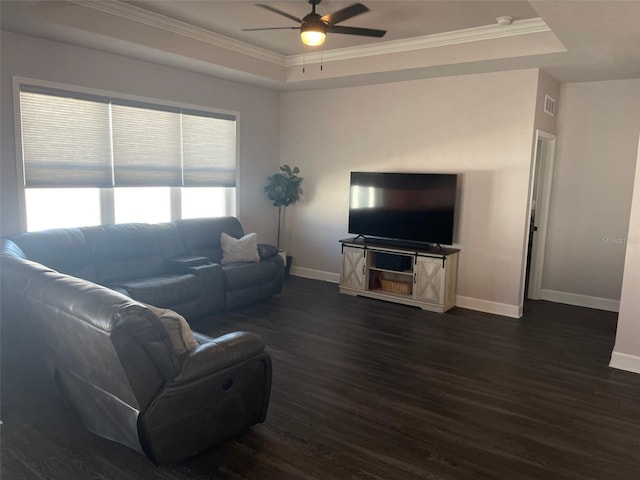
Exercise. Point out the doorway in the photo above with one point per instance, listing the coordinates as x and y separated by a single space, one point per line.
544 156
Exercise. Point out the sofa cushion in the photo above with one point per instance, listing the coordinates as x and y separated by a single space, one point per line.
169 240
245 275
177 328
162 290
124 251
201 236
243 249
62 249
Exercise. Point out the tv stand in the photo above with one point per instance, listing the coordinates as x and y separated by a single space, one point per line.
423 276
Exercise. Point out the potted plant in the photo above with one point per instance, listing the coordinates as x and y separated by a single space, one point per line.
283 189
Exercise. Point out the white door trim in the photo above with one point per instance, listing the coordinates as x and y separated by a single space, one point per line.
543 200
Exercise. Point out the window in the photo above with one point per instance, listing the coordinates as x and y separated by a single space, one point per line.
206 202
62 207
91 158
147 205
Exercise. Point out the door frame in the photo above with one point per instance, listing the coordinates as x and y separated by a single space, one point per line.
544 174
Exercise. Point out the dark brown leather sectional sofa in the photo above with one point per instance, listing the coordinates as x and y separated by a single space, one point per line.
84 294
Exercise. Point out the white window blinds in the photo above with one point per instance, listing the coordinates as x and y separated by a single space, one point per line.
209 150
146 146
66 140
73 140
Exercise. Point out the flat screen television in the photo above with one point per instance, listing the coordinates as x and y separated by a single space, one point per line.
403 207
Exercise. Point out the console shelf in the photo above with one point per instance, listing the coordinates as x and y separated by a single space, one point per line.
421 277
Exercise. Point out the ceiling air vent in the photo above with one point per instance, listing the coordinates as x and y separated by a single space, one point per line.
549 105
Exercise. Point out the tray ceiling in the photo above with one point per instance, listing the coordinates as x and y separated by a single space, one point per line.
572 40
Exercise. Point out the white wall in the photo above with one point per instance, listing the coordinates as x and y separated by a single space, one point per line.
57 62
547 85
478 125
626 353
598 125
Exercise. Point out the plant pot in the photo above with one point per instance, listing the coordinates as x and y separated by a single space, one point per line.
287 265
287 259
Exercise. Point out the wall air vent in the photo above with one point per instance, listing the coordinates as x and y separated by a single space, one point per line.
549 105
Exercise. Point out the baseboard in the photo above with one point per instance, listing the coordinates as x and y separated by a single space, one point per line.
624 361
315 274
496 308
581 300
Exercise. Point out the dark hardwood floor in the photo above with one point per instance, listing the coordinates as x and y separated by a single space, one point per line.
364 389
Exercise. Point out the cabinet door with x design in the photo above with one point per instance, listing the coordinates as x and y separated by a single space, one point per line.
429 280
353 268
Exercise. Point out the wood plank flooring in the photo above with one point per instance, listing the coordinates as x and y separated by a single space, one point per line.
364 389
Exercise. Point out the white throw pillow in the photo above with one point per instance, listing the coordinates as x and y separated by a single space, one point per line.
177 328
243 249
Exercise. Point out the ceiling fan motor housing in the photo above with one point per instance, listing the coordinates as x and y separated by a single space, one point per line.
313 21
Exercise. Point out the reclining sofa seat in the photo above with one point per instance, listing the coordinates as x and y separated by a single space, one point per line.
244 282
142 261
115 361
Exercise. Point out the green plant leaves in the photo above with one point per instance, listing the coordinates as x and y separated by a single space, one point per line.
283 189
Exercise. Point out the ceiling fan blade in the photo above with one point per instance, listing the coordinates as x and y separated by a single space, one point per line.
344 14
269 28
365 32
279 12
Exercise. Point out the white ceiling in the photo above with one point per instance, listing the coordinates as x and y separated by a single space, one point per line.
573 40
402 20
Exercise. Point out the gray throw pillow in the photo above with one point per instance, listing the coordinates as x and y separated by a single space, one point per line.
243 249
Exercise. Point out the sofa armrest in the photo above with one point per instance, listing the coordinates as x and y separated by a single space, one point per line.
219 353
267 251
183 263
10 249
223 389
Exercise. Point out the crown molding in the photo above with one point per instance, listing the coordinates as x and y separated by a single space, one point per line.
137 14
475 34
488 32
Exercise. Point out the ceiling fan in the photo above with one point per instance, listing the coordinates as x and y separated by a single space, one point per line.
314 28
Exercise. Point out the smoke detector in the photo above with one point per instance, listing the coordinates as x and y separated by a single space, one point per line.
506 20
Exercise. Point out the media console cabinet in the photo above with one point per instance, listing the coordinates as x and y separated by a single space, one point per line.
424 278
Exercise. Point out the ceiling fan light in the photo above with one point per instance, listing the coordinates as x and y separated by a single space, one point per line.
313 37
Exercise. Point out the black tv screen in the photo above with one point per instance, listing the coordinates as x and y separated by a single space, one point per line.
414 207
